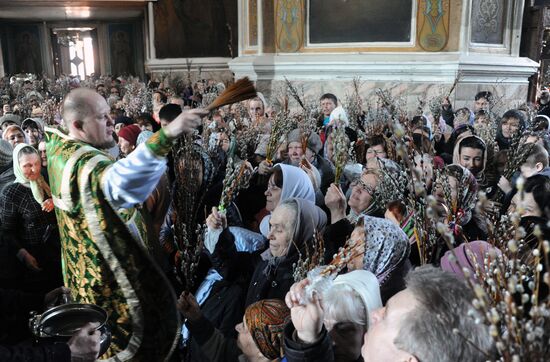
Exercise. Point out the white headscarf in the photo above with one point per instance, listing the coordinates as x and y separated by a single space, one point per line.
547 120
366 285
296 184
262 98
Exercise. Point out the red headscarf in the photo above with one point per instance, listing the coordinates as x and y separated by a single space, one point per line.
130 133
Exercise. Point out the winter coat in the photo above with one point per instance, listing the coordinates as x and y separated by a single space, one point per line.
6 177
271 277
301 352
25 225
224 310
233 265
215 346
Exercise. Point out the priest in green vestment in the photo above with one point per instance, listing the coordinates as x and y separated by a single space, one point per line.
105 258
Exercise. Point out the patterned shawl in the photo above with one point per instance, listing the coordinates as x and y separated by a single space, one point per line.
386 246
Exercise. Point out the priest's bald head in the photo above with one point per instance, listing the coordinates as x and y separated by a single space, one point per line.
86 115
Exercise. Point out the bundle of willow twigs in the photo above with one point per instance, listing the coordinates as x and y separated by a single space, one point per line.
237 177
340 145
279 128
312 257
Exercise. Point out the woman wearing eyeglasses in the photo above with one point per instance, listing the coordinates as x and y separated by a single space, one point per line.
376 147
360 202
363 200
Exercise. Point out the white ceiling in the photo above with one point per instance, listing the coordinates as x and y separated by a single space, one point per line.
71 10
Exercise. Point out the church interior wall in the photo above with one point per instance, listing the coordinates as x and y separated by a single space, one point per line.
120 39
477 41
267 41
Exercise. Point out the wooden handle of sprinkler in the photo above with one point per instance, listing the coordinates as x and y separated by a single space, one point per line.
454 85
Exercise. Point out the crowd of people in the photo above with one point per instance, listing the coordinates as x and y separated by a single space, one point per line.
288 229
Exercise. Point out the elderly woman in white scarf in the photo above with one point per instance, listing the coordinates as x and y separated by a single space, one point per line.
285 182
28 221
292 228
345 305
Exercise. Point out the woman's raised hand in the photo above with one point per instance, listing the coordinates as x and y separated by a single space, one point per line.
307 315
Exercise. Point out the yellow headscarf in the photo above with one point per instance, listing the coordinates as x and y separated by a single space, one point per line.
39 187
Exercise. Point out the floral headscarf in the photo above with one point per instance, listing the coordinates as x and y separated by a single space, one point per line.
386 247
388 174
266 321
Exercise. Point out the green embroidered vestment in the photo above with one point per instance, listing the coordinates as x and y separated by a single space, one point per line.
103 262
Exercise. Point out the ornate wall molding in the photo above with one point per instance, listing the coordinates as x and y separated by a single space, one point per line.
182 64
289 25
405 67
489 20
433 24
252 25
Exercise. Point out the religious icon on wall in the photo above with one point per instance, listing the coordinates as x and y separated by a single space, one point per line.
488 21
121 53
27 53
121 43
289 25
433 18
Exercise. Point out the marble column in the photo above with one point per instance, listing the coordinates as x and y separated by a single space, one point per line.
2 71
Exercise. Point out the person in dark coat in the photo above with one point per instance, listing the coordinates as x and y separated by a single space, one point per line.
8 262
260 334
28 224
292 226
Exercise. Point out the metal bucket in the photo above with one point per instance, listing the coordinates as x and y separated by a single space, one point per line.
62 322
